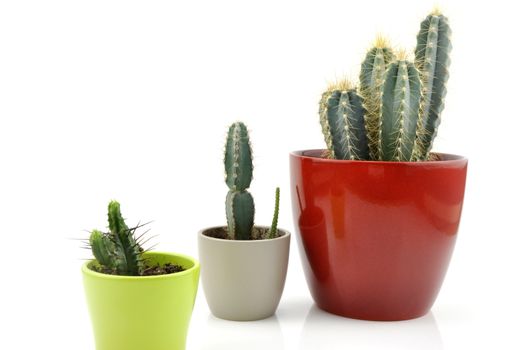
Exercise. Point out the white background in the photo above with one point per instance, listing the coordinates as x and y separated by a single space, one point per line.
130 100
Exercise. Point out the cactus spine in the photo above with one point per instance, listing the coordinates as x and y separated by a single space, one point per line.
239 204
372 73
117 251
400 100
432 58
342 120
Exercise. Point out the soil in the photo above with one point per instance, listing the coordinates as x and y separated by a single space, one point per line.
221 233
165 269
154 270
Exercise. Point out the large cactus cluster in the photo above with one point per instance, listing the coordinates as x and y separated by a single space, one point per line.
117 251
394 113
239 204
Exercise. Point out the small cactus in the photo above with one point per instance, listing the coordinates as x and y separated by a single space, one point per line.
118 251
273 229
239 204
394 113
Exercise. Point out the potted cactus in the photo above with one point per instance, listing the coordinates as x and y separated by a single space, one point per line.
243 266
137 299
377 212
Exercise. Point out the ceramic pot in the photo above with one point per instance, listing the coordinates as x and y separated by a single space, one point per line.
376 237
147 312
243 280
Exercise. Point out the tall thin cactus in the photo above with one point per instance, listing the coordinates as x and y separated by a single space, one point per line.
372 73
273 230
239 204
432 58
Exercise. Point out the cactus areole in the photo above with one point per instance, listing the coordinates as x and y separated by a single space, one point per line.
376 212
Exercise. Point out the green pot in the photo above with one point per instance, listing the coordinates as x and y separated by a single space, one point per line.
139 313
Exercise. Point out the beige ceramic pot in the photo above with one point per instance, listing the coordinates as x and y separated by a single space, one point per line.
243 280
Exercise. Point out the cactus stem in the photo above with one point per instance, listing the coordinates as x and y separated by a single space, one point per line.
273 230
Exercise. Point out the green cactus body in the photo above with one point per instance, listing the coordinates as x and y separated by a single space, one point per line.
342 119
238 158
274 225
372 73
129 251
102 248
432 59
400 110
239 206
118 250
326 130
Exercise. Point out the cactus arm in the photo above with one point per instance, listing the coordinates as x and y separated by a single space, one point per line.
345 115
371 78
128 252
238 158
240 214
115 219
102 248
432 57
326 131
400 101
273 230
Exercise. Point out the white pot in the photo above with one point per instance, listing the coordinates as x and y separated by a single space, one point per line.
243 280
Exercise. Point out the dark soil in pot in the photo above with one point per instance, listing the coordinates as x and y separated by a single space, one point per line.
259 233
150 270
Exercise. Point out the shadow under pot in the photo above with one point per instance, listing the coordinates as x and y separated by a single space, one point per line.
243 280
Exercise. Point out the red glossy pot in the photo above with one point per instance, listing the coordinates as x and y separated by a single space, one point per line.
376 237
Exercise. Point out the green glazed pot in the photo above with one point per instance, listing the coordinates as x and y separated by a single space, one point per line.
139 313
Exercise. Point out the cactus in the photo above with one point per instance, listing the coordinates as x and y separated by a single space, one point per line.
342 120
273 229
117 251
401 94
371 78
432 59
239 204
394 113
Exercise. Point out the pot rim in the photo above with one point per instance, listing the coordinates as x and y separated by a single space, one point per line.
195 265
448 159
202 234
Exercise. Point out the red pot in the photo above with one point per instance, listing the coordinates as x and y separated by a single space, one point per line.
376 237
